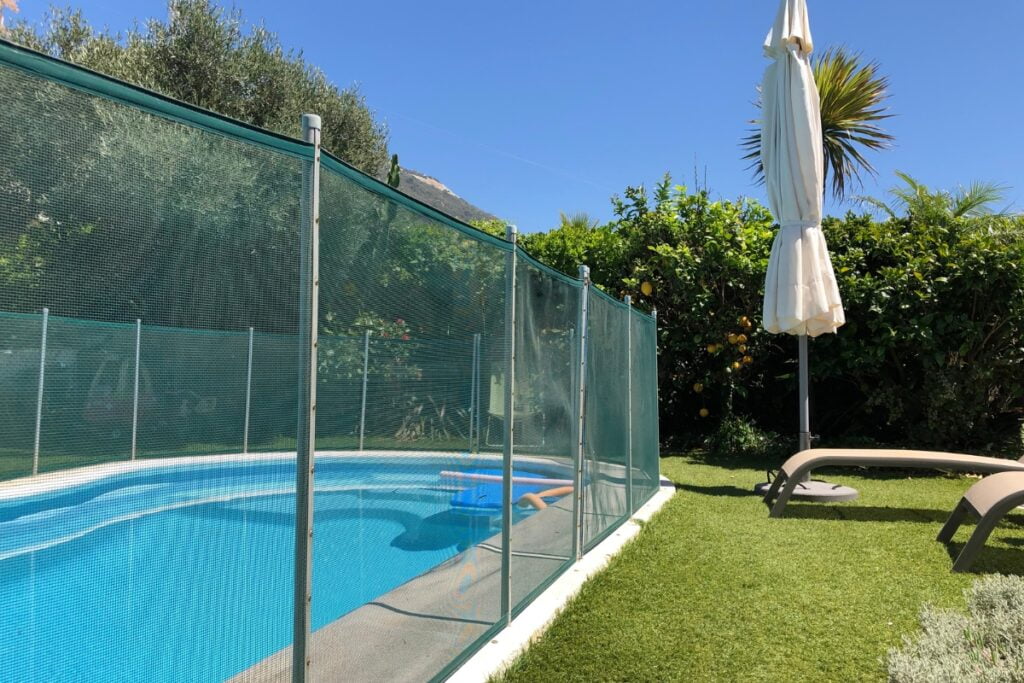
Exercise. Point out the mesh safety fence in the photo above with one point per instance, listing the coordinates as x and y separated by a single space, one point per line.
150 394
606 431
643 392
108 214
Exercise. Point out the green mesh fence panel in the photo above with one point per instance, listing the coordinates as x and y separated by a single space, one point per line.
192 394
155 569
20 344
606 432
547 314
160 540
644 408
423 292
88 394
274 394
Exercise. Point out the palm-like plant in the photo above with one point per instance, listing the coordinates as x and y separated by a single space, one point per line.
852 96
916 199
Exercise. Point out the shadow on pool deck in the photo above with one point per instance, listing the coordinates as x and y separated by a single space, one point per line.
413 631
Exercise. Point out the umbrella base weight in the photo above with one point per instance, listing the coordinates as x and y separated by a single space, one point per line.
816 491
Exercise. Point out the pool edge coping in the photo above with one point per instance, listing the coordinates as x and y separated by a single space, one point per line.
506 646
48 482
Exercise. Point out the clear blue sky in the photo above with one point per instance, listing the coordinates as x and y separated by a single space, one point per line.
530 108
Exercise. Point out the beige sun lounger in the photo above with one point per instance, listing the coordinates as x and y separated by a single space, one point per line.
798 466
989 500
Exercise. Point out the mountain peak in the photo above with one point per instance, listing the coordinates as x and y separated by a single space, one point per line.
433 192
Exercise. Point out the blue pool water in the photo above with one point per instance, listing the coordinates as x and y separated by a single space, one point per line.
185 573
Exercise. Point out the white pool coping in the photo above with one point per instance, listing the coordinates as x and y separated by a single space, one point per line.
61 479
532 622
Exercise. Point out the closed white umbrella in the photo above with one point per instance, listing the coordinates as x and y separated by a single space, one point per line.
801 296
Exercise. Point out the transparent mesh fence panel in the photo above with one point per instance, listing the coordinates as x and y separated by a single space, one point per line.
274 397
406 558
178 565
192 392
547 315
339 390
418 390
20 344
644 407
606 439
88 393
146 570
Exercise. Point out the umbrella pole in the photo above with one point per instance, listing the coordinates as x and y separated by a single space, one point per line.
805 401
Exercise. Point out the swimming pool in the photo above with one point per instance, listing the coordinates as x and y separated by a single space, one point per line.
126 576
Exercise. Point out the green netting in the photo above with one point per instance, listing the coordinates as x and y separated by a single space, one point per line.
118 206
606 432
20 344
424 293
108 214
644 407
547 315
88 393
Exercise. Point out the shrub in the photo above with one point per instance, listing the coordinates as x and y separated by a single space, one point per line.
985 644
931 356
737 438
932 353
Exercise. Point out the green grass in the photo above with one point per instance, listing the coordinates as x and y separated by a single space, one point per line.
714 590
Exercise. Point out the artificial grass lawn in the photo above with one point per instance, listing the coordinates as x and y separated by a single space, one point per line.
714 590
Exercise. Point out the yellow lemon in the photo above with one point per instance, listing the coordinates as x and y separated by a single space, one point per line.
742 339
647 288
747 360
704 412
735 365
742 348
733 339
698 387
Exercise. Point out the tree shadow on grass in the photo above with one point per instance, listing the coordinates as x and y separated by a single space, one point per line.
728 491
865 513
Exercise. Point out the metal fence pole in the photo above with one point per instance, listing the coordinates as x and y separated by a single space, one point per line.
39 395
248 393
366 375
805 403
479 404
306 431
511 234
581 384
628 300
135 390
473 404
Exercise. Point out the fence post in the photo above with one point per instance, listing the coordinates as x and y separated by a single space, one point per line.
511 260
474 404
248 393
39 395
135 390
581 385
306 431
479 392
366 370
628 300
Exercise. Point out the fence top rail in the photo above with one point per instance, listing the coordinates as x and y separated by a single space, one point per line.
621 305
548 270
642 315
95 83
380 188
